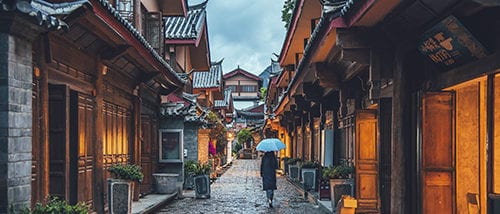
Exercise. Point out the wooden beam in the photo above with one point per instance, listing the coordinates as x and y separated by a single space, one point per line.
486 65
359 55
354 38
328 76
312 91
114 53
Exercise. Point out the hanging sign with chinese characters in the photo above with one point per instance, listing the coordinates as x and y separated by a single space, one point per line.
450 44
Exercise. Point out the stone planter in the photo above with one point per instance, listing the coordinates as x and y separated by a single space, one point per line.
120 193
202 186
189 181
294 172
309 177
285 166
339 187
165 183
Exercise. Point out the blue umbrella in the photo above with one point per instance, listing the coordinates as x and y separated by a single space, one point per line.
270 144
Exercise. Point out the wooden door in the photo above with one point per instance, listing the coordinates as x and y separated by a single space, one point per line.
146 186
82 120
58 138
366 162
438 165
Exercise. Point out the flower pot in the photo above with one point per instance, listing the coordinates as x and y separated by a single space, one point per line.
285 167
189 181
339 187
309 178
165 183
294 172
120 194
202 186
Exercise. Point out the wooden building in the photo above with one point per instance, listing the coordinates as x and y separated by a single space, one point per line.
244 86
408 90
95 89
208 85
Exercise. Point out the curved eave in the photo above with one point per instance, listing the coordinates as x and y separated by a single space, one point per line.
291 30
113 20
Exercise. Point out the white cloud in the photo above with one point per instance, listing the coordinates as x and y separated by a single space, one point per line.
244 32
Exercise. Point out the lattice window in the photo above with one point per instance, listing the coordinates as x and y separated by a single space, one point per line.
126 9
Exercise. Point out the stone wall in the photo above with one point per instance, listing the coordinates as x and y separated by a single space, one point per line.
191 141
15 122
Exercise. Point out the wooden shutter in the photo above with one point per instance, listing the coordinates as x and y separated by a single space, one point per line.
154 33
367 162
58 138
438 165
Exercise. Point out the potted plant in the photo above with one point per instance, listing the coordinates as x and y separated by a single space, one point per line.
285 165
309 175
189 172
293 168
202 180
341 182
121 186
55 205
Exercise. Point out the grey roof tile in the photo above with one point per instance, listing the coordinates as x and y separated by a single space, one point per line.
188 27
226 101
182 110
208 79
46 14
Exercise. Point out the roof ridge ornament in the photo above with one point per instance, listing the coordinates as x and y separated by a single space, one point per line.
335 6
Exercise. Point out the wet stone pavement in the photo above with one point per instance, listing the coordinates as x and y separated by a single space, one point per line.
239 190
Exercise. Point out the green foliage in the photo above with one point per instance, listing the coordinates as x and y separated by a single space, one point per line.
244 136
190 167
202 168
218 131
286 12
310 164
263 93
293 161
338 171
55 206
237 147
126 172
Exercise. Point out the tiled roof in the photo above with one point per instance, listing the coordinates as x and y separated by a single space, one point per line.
208 79
188 27
139 37
186 110
226 101
44 12
242 72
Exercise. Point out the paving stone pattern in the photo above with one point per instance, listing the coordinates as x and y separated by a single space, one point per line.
239 190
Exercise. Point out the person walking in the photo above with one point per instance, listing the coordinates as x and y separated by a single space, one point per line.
268 167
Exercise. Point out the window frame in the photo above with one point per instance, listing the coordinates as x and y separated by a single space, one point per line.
180 146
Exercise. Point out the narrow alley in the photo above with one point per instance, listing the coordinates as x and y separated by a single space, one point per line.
239 190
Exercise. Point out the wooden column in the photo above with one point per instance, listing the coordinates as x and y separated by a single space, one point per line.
398 175
98 140
385 133
44 58
137 135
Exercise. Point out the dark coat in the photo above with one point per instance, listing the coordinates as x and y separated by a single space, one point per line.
268 167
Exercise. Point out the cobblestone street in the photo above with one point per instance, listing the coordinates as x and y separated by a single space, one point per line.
239 190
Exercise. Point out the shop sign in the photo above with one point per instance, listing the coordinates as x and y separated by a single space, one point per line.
450 44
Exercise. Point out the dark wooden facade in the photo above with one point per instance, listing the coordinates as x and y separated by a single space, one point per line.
96 90
413 98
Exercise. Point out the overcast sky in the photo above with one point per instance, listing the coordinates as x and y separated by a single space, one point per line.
244 32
